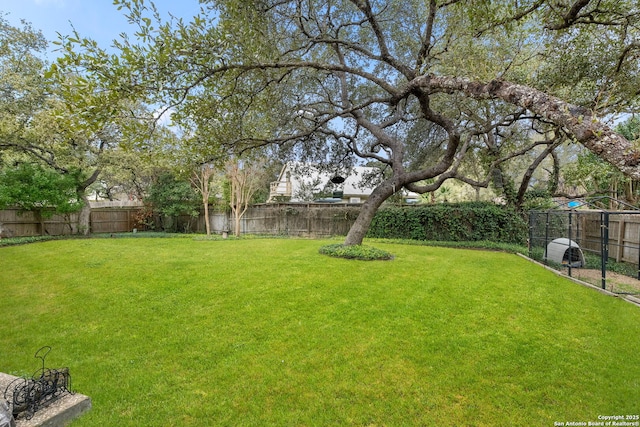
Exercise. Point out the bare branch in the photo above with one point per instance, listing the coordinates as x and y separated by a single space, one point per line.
524 184
426 38
625 52
385 55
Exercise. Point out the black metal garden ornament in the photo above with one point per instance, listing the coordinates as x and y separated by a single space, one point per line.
26 395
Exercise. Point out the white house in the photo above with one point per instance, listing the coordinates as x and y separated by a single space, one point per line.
306 183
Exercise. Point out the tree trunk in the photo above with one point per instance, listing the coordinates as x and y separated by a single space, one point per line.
207 224
84 216
85 213
369 208
40 218
205 180
236 216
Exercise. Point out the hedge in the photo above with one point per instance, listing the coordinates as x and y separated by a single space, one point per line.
472 221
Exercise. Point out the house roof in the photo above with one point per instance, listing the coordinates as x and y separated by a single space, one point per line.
300 180
306 175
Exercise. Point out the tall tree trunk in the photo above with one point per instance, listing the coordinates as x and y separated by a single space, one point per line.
205 203
84 216
201 179
554 182
85 213
207 224
236 217
40 218
369 208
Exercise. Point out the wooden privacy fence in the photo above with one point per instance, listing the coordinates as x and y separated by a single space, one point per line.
291 219
284 219
15 223
623 231
114 220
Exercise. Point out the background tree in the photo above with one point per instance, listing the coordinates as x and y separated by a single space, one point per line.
22 85
203 178
245 179
390 81
630 128
40 190
128 174
172 197
58 118
27 108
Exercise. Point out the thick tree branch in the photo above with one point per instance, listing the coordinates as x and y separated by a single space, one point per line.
572 15
524 184
577 121
385 55
452 172
426 37
40 153
625 52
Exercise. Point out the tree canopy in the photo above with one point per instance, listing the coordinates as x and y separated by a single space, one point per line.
35 188
63 122
426 89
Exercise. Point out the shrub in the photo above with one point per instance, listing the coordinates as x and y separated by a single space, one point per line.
172 198
473 221
11 241
361 252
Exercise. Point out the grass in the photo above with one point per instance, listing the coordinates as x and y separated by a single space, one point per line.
163 332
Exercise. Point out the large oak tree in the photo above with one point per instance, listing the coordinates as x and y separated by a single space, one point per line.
61 121
422 87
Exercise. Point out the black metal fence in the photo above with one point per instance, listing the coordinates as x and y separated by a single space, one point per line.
596 246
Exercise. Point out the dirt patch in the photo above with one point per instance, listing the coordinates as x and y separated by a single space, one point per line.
615 282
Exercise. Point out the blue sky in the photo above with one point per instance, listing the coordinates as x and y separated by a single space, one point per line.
98 19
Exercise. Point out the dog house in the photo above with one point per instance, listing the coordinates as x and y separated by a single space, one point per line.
565 252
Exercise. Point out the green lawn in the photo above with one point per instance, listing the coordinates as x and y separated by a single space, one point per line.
162 332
